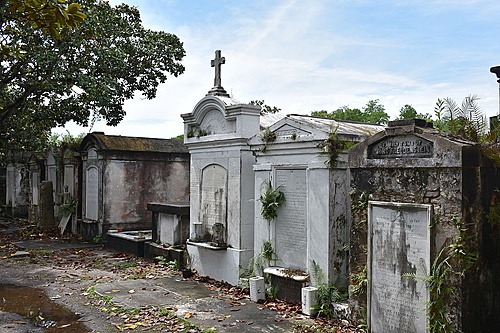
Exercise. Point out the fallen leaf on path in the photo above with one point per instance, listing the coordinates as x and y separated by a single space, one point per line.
188 315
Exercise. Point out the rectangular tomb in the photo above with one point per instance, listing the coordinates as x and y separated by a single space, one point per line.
398 262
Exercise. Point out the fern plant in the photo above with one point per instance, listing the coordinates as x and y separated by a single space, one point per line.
465 120
271 199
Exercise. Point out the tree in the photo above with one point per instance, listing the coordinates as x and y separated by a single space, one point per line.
264 107
409 112
373 112
84 75
50 16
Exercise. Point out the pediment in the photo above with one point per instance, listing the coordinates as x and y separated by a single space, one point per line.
289 131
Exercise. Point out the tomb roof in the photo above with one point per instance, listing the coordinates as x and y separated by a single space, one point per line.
342 126
135 144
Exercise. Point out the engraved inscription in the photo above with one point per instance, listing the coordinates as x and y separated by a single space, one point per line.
92 193
399 248
401 146
213 198
290 229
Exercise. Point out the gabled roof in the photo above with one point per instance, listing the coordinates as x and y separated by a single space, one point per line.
341 126
132 144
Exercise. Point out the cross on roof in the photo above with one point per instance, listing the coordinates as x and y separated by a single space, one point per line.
217 90
217 63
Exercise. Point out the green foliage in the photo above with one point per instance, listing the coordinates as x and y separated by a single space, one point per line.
97 239
196 131
263 259
332 147
267 136
326 295
264 107
268 252
271 199
465 120
409 112
359 206
178 137
84 76
172 264
69 207
359 280
494 215
373 112
439 279
468 122
272 291
49 16
56 140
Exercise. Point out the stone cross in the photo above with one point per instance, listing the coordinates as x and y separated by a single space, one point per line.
217 90
217 63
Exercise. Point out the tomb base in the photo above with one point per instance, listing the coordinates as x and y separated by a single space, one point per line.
131 242
153 250
289 285
87 229
222 264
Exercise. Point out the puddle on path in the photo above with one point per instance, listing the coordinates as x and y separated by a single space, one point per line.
36 307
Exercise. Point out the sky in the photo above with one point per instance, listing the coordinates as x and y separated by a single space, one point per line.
310 55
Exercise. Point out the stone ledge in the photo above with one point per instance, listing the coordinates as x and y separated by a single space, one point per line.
206 245
282 272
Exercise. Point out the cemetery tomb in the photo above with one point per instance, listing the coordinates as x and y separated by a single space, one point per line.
170 230
221 181
423 207
17 187
121 175
311 229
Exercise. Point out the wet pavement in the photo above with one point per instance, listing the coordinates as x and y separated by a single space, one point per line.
36 309
188 299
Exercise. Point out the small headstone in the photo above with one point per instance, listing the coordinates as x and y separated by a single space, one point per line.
257 288
309 300
46 206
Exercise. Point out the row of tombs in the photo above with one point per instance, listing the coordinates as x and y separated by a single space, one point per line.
403 205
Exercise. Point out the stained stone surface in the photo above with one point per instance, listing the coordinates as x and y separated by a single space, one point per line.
399 260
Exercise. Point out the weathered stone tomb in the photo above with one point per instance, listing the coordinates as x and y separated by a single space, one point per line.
424 214
121 175
311 228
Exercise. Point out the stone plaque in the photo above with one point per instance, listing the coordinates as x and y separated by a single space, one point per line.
398 244
35 182
69 179
92 193
290 225
10 187
405 146
213 208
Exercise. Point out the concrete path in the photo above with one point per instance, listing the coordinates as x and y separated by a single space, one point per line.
192 299
188 299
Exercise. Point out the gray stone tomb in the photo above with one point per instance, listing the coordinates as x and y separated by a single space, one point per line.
426 193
